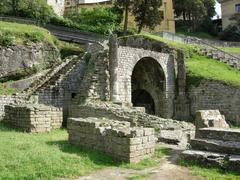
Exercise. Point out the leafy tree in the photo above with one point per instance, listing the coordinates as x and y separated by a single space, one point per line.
127 6
232 32
147 13
197 12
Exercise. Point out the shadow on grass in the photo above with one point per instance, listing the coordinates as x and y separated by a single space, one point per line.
95 156
6 128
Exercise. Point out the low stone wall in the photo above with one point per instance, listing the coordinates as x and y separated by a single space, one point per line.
33 118
6 100
216 95
115 138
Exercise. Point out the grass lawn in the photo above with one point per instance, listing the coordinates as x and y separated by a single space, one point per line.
209 173
200 67
49 156
232 49
5 89
20 33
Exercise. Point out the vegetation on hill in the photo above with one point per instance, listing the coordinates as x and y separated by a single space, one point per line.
14 33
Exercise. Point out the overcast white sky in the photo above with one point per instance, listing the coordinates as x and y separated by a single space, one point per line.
218 10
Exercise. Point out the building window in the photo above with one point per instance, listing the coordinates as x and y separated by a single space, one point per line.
237 7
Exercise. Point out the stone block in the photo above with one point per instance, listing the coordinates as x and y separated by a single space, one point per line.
210 118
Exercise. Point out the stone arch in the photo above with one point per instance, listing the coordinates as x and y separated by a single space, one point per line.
148 77
123 59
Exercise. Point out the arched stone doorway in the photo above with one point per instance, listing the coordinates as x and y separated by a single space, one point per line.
148 86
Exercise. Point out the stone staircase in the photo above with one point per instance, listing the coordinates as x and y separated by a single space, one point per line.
218 54
52 77
215 147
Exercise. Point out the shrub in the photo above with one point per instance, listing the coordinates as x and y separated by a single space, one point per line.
35 37
6 38
98 20
231 33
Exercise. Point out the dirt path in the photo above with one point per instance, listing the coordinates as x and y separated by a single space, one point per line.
168 170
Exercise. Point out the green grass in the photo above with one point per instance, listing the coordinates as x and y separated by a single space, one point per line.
208 172
45 156
5 89
200 67
232 49
68 49
50 156
15 33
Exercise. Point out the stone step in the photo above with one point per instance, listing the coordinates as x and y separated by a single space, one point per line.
231 162
231 147
219 134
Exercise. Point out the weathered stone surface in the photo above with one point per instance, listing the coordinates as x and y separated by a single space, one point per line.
219 134
19 57
210 94
33 117
212 145
226 161
116 138
210 118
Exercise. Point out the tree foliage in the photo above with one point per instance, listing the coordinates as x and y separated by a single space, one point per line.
232 32
36 9
197 12
147 13
126 6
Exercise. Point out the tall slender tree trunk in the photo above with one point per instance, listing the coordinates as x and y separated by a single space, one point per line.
126 18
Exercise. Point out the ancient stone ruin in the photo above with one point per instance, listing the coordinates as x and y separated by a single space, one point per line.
117 138
214 144
133 82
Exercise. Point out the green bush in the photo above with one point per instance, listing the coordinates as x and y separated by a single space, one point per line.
6 38
231 33
97 20
69 49
37 9
35 37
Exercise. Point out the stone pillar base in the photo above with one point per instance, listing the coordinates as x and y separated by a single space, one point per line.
182 108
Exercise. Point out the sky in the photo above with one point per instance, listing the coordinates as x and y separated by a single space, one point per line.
218 10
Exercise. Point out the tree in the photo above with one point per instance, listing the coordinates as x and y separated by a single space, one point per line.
197 12
147 13
126 5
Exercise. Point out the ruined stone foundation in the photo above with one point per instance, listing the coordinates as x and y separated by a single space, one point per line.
33 118
118 139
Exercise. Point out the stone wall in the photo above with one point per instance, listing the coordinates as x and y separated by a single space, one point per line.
17 57
216 95
33 117
115 138
6 100
100 109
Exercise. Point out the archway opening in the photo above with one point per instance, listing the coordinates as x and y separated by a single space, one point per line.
148 84
141 98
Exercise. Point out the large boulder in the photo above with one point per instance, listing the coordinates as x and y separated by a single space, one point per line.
210 118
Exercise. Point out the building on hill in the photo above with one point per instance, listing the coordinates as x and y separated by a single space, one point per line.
58 6
167 25
229 8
